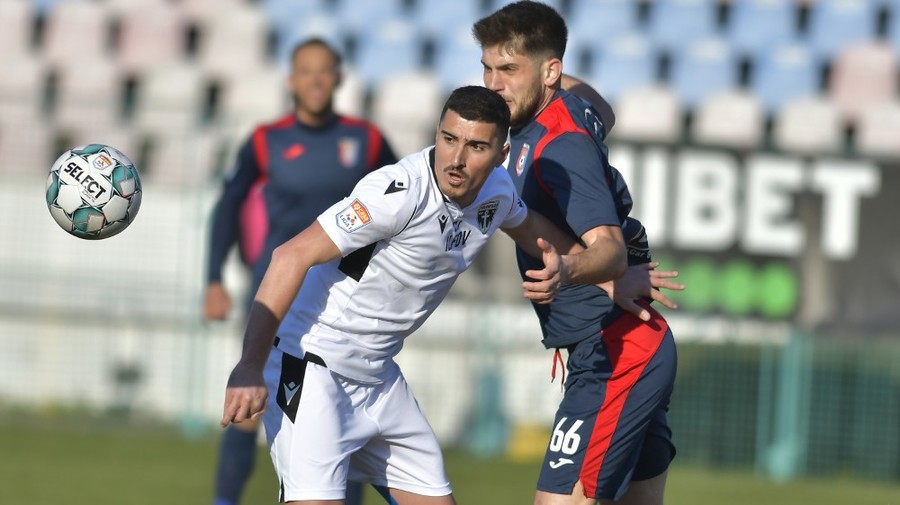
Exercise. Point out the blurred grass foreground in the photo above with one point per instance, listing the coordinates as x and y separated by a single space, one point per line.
77 457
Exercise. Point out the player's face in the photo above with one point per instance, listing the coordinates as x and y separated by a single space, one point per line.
465 154
314 77
518 79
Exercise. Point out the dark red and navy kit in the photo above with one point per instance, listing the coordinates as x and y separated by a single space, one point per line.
610 428
286 174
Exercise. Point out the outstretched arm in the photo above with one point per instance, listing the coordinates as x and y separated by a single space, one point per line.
642 281
245 396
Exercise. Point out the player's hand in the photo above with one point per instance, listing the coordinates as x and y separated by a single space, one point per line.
548 280
245 395
216 302
643 281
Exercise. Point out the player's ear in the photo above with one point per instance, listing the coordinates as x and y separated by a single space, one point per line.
552 71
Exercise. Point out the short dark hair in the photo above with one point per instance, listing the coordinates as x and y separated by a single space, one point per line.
320 42
477 103
529 28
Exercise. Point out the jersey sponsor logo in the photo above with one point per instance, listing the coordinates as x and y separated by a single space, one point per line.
348 152
293 152
457 240
561 462
523 157
395 186
485 215
353 217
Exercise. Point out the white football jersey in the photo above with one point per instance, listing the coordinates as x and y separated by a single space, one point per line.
403 245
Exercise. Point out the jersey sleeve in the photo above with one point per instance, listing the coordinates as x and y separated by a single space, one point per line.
380 206
225 217
579 178
517 210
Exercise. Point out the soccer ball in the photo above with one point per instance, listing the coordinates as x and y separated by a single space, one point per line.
93 191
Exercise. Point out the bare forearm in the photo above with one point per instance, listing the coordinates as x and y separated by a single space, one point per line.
604 260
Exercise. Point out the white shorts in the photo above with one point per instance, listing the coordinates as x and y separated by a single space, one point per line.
324 429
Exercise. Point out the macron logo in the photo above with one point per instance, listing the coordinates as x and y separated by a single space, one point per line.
561 462
290 390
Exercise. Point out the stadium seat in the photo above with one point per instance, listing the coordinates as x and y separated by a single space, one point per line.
834 24
199 10
648 114
170 97
150 34
731 118
677 22
785 73
181 160
758 25
622 63
590 23
22 87
439 20
286 13
252 99
808 126
862 74
406 107
26 147
359 18
391 47
89 95
90 20
118 135
701 68
876 130
325 27
350 96
457 59
16 25
233 42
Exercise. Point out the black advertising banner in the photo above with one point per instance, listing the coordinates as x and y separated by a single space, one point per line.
770 237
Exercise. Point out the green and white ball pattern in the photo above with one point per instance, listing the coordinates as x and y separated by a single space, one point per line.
93 191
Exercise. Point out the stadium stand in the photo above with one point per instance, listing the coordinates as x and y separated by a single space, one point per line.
834 24
88 95
876 130
677 22
649 114
16 20
90 20
150 33
622 63
170 97
785 73
234 43
863 74
730 118
756 26
398 106
386 49
809 125
701 68
456 59
22 89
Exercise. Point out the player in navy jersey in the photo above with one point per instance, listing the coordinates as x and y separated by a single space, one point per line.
285 175
611 440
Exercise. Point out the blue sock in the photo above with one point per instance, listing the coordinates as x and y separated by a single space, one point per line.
237 455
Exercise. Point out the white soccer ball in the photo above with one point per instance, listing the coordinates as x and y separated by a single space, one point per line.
93 191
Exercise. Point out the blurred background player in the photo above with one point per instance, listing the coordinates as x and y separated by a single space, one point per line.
286 174
611 437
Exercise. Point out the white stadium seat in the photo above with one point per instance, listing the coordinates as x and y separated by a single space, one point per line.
730 118
406 107
807 126
648 114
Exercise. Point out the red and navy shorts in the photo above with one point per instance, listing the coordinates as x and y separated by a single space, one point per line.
611 428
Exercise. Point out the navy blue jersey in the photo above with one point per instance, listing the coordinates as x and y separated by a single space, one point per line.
287 174
559 164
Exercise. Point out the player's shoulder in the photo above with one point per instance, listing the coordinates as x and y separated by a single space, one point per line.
404 176
279 123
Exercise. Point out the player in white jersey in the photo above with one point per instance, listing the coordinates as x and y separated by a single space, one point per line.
344 294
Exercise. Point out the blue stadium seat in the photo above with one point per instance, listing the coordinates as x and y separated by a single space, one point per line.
286 13
589 20
621 63
323 26
442 19
677 22
457 59
391 47
834 24
759 25
702 68
359 17
786 72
